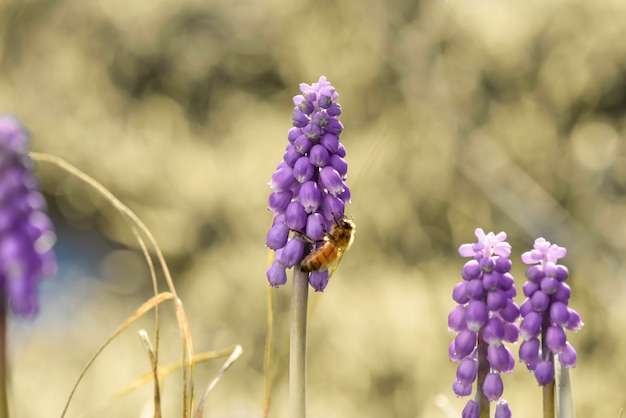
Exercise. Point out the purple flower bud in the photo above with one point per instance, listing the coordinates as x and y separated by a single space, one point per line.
291 155
507 282
539 301
339 164
559 313
498 357
534 273
276 274
302 144
341 151
277 236
467 371
525 307
315 227
334 126
303 170
475 289
563 293
310 196
278 201
531 325
476 315
461 389
452 354
464 343
299 119
292 253
503 265
550 285
331 142
345 196
574 323
295 216
471 270
293 134
319 280
496 300
493 386
282 179
510 312
556 339
503 410
332 207
493 331
456 319
471 410
331 180
561 273
530 288
492 280
334 109
459 293
529 350
511 333
544 372
313 132
567 357
319 156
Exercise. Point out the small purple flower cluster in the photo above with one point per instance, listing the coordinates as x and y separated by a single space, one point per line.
484 317
26 232
309 189
545 311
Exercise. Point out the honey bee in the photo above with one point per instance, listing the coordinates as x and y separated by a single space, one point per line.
336 243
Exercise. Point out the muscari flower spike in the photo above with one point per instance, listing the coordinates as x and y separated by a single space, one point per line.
26 232
308 187
483 319
546 313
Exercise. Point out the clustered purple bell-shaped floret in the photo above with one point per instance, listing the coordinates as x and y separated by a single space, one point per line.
309 189
483 319
26 232
546 313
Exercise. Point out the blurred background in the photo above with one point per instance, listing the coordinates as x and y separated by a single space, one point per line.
458 114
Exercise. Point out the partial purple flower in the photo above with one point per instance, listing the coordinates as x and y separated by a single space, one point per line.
309 189
26 232
484 318
545 312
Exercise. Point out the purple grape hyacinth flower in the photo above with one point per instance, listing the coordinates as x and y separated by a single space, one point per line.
546 313
309 192
483 319
26 232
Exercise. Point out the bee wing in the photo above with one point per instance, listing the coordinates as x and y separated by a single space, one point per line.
332 266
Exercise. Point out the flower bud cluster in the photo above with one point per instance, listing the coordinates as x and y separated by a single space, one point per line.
546 313
483 319
308 187
26 232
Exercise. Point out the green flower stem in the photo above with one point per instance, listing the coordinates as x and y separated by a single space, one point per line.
297 341
548 390
483 370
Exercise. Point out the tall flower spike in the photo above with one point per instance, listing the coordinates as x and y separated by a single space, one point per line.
546 313
483 319
26 233
309 189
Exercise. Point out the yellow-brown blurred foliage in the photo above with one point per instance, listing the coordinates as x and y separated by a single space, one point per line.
505 115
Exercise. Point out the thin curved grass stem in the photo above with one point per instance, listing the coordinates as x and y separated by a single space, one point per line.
183 323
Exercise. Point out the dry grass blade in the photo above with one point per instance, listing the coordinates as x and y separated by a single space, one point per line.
238 350
155 371
163 372
143 309
136 223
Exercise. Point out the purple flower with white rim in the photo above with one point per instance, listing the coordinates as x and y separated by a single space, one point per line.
26 232
483 319
545 312
309 189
